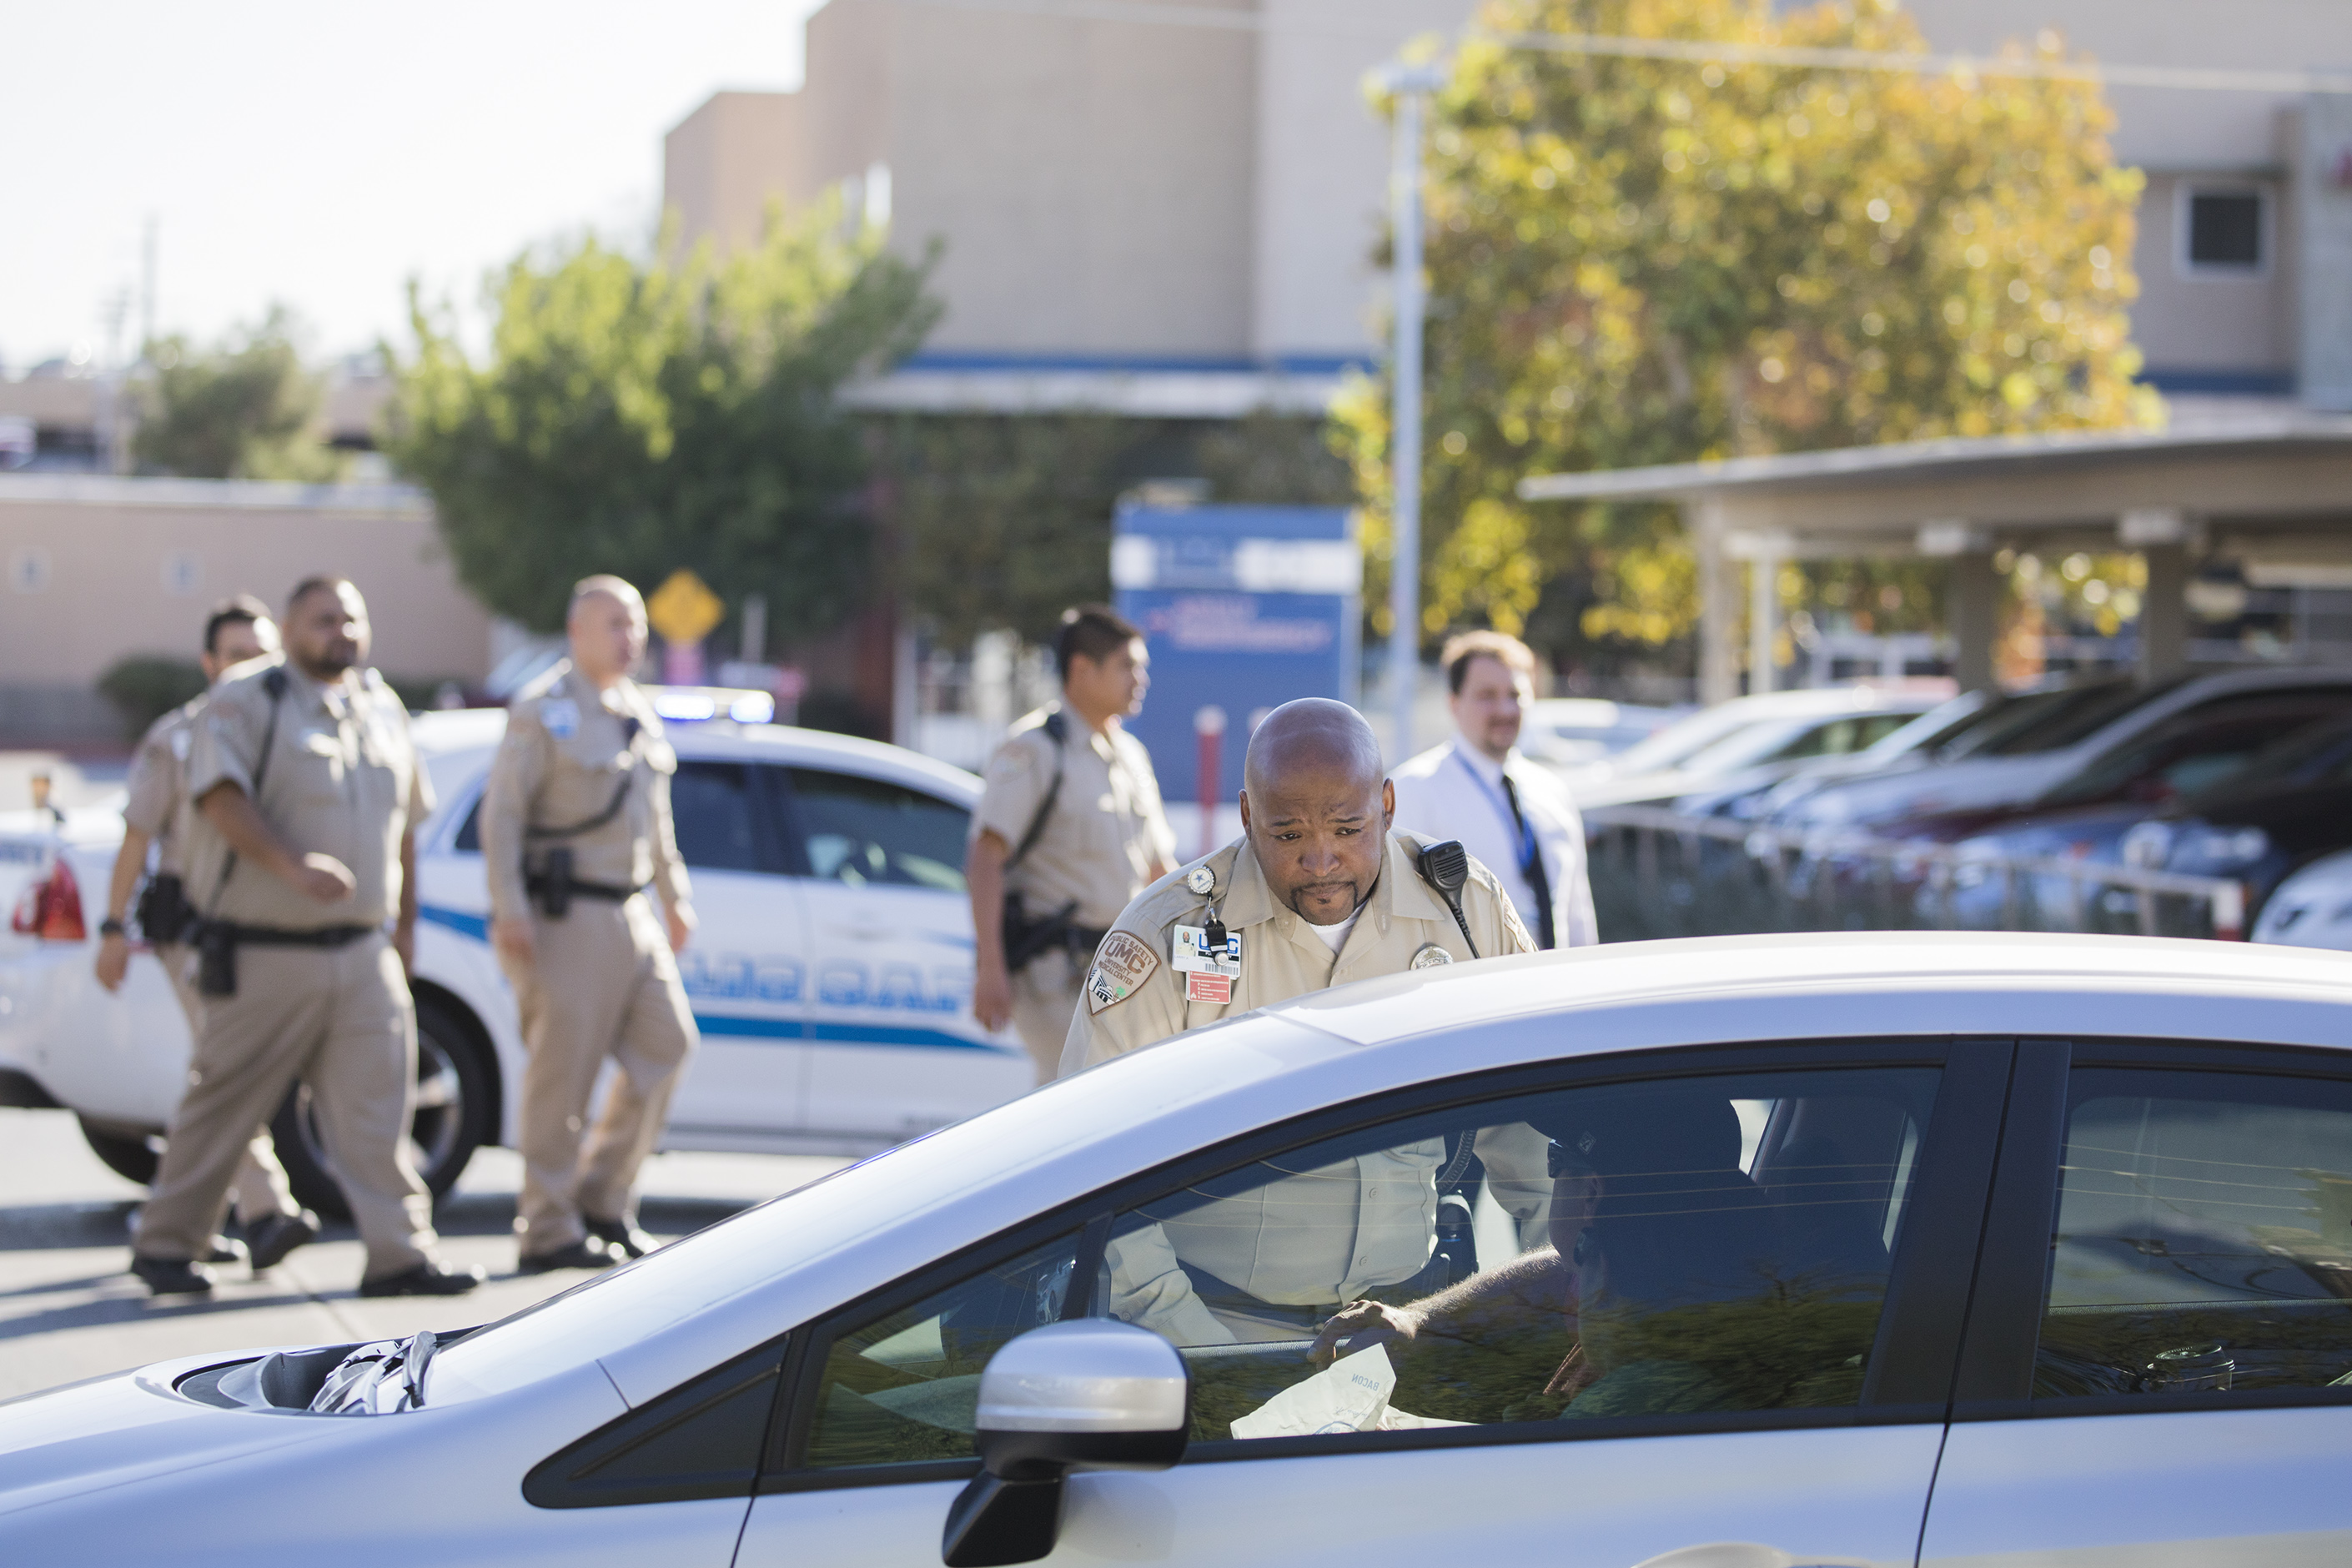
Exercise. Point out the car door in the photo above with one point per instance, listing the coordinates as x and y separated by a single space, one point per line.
893 1048
2158 1366
746 969
1745 1361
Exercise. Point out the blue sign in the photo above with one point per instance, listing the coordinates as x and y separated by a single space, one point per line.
1244 607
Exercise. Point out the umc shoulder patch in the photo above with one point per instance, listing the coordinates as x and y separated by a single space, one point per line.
1122 963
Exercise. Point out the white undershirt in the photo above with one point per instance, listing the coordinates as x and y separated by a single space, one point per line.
1335 937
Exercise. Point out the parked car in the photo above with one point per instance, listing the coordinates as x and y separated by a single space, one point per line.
1809 1187
1568 731
1783 730
1939 732
2093 725
831 976
2313 907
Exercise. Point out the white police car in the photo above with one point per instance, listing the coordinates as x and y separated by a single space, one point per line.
1924 1247
831 976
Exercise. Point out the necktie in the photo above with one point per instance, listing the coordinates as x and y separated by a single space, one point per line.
1532 867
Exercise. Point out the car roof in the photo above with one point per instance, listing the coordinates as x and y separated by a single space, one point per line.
443 734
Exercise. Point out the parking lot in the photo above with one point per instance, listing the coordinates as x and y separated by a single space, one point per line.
68 1311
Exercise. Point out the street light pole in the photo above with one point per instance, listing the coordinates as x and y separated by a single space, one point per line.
1412 85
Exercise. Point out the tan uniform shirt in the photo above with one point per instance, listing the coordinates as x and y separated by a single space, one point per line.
1322 1235
158 770
343 781
568 749
1106 830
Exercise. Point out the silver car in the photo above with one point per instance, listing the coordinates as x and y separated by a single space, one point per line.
1719 1254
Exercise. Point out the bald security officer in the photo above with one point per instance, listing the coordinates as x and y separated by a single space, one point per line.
1068 830
238 629
1318 891
302 853
576 829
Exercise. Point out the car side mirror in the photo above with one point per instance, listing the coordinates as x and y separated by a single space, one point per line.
1091 1394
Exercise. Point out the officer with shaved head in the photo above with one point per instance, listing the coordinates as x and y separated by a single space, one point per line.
1318 892
575 831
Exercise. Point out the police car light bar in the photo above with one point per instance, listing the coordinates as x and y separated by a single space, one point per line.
698 704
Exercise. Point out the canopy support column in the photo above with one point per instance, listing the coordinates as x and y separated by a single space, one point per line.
1719 610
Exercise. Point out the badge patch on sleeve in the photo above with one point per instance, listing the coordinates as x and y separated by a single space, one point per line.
560 715
1122 963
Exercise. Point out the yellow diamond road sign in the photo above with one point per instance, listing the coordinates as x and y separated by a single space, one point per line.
684 609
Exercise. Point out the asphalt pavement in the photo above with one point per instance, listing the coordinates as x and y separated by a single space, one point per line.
68 1310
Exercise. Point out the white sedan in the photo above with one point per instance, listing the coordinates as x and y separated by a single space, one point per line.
1862 1249
831 977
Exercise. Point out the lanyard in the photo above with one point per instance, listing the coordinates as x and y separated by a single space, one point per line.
1514 821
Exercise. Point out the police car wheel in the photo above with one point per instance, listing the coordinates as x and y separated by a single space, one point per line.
451 1121
130 1153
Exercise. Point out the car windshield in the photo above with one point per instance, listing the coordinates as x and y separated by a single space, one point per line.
1939 725
2071 715
2316 754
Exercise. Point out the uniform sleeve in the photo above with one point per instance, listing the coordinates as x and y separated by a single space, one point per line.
1129 1000
154 781
1518 1173
226 741
516 774
1014 788
1492 918
1151 1290
670 881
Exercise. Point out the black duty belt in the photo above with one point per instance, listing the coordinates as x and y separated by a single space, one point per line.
276 936
535 885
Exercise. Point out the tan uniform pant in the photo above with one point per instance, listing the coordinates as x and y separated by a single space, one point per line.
1045 995
340 1020
260 1182
603 984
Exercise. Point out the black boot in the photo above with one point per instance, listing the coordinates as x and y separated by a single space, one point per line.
172 1275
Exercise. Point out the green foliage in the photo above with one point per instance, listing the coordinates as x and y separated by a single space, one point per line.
1004 521
144 686
245 409
1637 261
639 416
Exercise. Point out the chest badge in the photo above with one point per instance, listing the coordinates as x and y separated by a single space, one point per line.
1208 965
1201 881
1431 956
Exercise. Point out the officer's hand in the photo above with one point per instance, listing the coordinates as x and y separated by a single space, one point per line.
113 961
681 925
1361 1326
991 996
514 941
326 878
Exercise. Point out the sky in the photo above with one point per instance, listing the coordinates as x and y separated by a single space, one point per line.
322 154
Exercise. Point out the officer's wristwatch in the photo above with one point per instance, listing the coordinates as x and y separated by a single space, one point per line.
110 926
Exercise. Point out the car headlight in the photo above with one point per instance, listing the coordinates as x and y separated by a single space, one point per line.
2148 846
2226 849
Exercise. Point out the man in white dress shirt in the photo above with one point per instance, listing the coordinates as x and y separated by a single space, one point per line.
1514 816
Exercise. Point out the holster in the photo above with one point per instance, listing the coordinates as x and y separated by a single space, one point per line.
1025 938
163 911
216 945
550 888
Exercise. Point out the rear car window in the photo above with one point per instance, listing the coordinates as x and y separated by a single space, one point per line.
868 832
713 808
2204 1236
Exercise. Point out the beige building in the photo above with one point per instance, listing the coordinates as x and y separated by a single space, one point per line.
99 568
1171 209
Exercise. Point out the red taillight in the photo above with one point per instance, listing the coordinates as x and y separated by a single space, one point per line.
51 907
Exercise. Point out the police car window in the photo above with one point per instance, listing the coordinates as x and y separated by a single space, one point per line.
868 832
710 804
2203 1238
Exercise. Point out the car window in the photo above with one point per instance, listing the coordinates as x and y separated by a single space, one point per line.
868 832
2073 715
1840 737
1699 1246
2203 1238
2198 749
712 806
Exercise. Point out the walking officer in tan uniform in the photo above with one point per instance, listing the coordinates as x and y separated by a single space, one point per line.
1068 830
301 852
1318 891
156 813
575 829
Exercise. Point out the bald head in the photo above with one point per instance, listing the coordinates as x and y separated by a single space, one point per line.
1317 807
608 629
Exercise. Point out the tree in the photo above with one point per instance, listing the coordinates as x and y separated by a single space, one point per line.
243 410
1636 261
638 417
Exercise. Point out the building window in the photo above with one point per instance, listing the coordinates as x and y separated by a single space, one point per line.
2224 232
